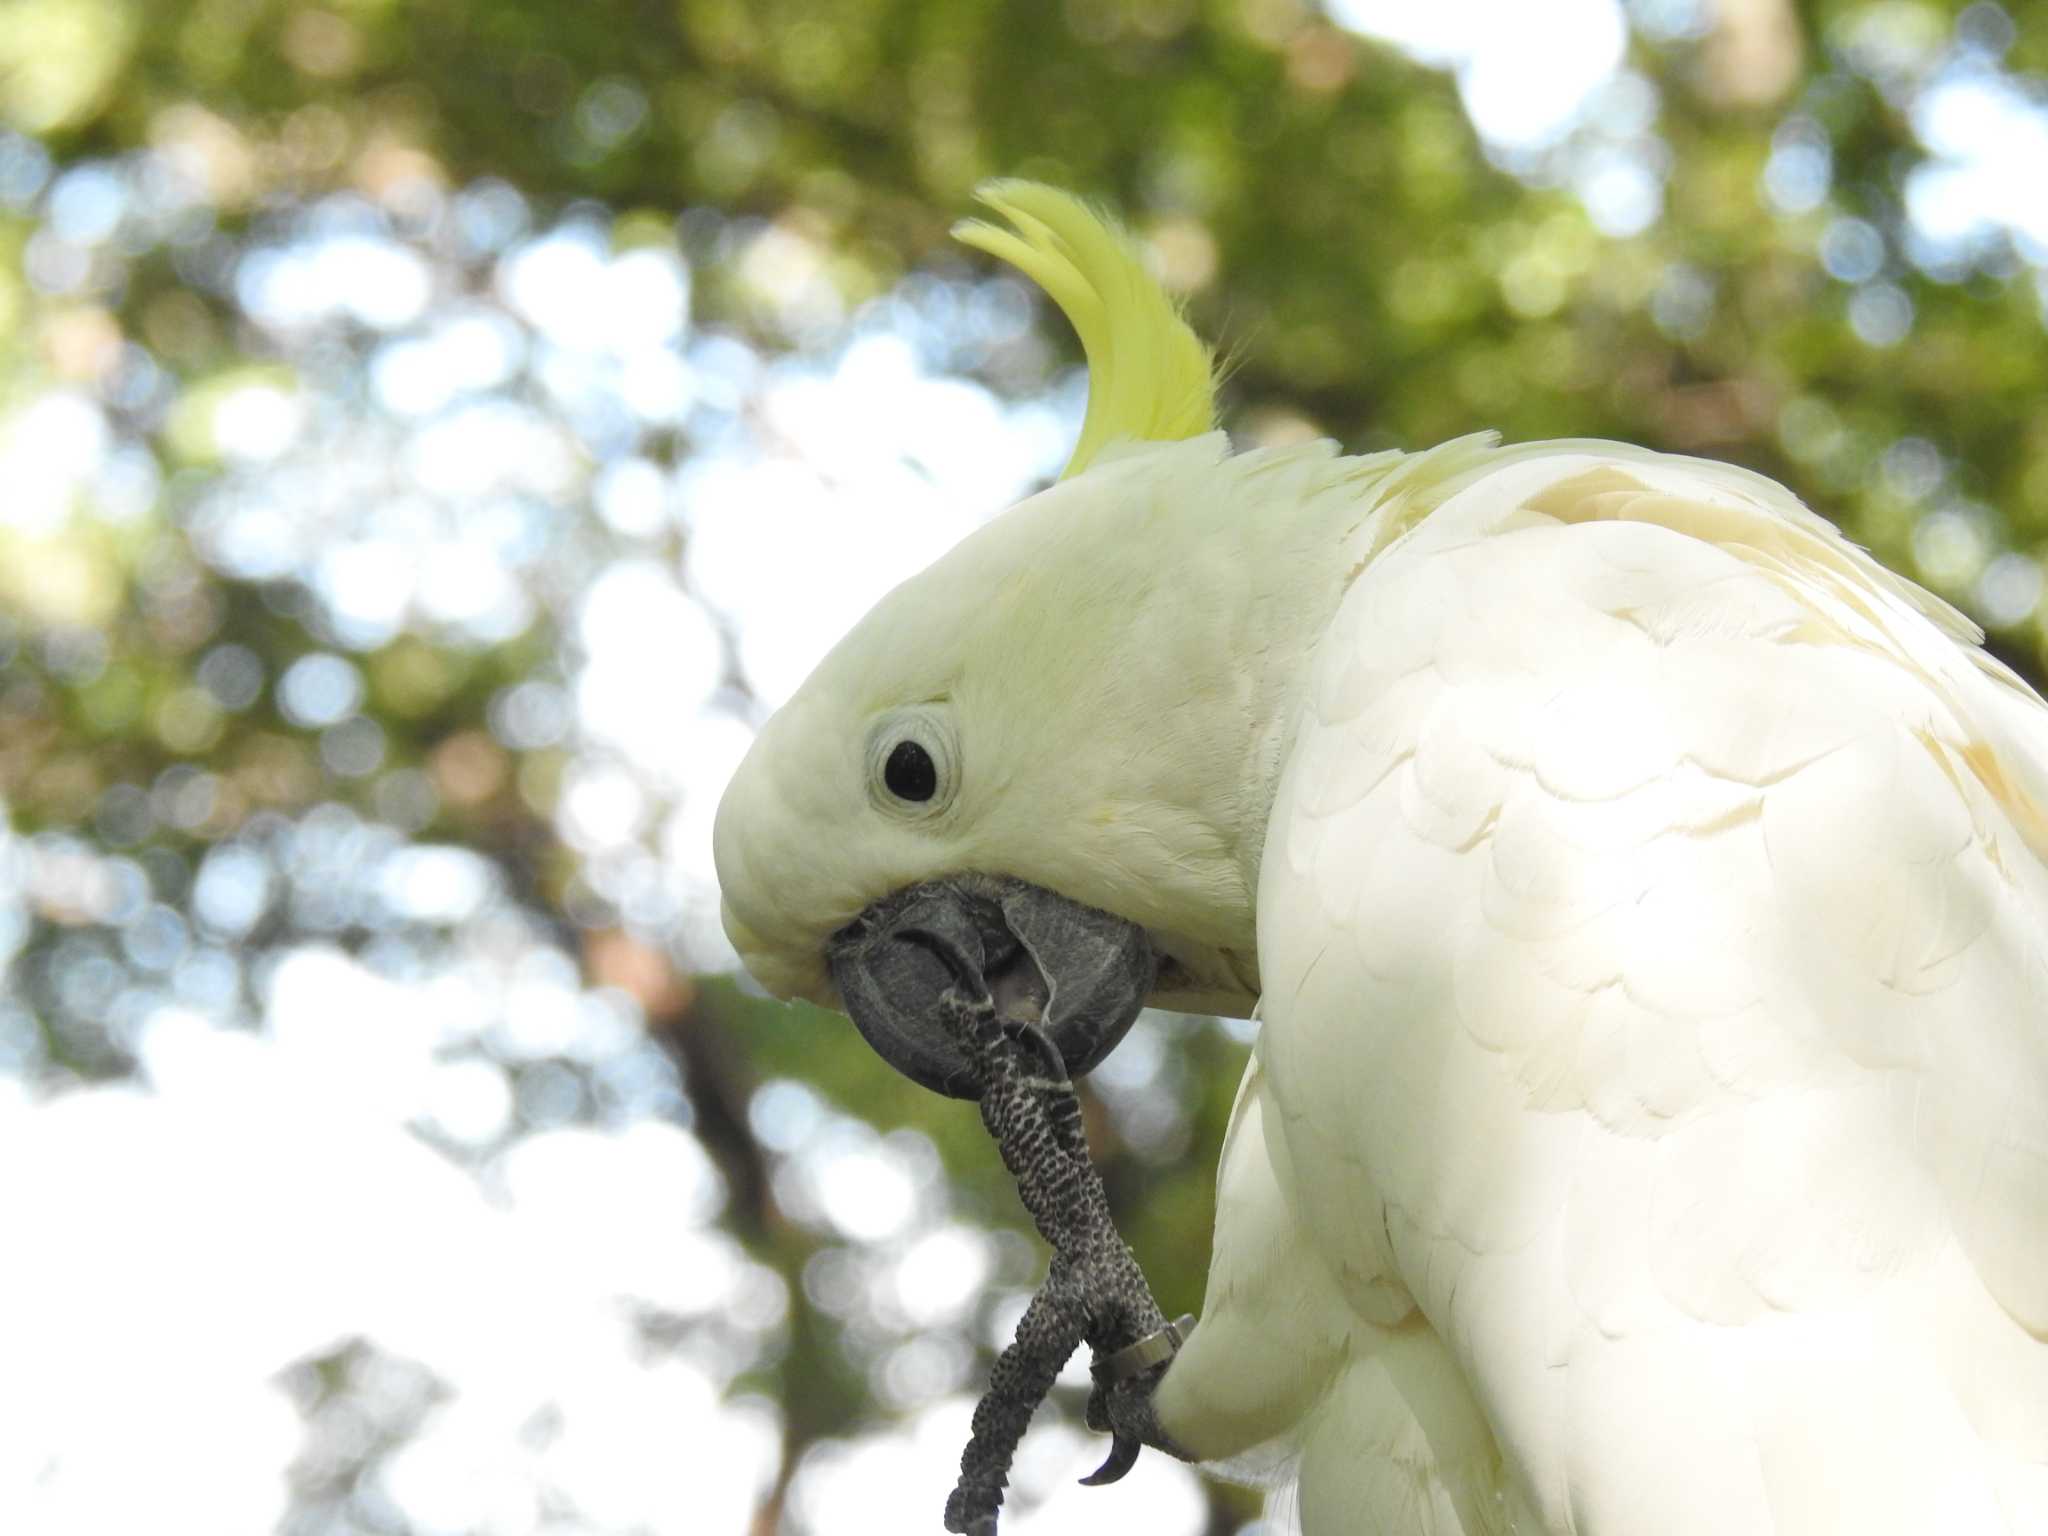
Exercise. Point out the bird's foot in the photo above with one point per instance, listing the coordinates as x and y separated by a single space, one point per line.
1094 1290
1121 1404
972 1511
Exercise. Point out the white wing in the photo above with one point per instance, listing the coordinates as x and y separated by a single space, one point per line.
1654 928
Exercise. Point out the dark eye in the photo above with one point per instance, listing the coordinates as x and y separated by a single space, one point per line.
910 772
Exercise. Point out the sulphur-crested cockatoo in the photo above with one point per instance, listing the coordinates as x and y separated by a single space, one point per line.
1643 894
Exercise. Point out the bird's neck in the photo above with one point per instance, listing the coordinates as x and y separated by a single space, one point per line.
1274 542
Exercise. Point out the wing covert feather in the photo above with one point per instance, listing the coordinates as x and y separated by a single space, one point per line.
1652 932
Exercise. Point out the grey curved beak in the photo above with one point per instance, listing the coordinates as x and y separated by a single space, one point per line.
1081 974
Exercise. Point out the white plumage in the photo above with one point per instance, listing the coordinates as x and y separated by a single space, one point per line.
1654 933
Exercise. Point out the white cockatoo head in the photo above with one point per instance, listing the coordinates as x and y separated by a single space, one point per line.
984 782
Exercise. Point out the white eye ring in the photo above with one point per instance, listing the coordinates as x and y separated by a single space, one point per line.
923 726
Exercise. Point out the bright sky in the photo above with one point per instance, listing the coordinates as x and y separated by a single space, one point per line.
445 1148
1526 72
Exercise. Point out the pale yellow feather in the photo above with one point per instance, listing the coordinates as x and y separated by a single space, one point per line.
1150 378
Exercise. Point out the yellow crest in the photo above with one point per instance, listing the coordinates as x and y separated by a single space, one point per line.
1150 378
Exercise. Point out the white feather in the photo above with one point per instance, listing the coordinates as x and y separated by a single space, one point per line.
1654 1075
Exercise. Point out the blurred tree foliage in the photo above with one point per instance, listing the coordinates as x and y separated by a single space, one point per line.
1325 205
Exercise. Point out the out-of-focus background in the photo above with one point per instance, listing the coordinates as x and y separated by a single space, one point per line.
433 436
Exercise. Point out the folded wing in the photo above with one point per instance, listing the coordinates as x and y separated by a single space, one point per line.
1654 927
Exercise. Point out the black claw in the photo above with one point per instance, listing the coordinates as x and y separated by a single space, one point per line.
1123 1455
1039 1041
